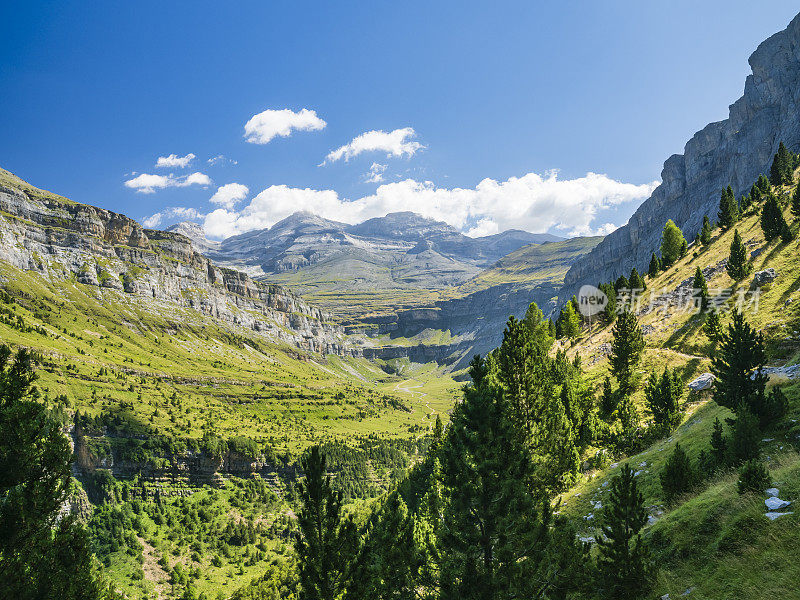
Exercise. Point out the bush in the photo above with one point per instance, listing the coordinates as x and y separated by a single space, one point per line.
753 477
678 476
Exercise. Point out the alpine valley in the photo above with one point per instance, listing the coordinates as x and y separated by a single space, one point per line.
394 409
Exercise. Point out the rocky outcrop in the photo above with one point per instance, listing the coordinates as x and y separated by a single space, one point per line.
731 152
62 239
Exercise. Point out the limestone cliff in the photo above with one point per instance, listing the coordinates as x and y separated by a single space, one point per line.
730 152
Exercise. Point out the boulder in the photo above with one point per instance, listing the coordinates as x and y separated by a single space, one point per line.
774 503
703 382
763 277
774 515
772 492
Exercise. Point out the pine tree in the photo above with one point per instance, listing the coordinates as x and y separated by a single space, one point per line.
782 169
737 366
796 202
42 555
743 444
706 232
728 210
713 326
655 266
663 396
621 284
672 243
636 281
719 444
608 399
626 350
326 545
624 566
700 289
678 476
772 220
787 235
763 184
738 266
569 321
753 477
744 204
610 309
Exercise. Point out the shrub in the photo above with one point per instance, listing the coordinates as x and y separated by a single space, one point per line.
753 477
678 476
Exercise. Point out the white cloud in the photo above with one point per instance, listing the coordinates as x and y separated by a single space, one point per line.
221 159
394 143
181 213
173 161
265 126
375 174
147 183
532 202
229 195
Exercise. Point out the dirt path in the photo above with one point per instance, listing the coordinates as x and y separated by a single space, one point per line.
153 571
409 389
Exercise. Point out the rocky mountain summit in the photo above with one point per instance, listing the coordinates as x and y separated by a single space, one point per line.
731 152
62 239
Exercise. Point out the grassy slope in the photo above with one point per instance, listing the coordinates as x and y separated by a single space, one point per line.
719 542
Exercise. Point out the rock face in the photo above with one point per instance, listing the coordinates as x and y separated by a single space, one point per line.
61 239
731 152
761 278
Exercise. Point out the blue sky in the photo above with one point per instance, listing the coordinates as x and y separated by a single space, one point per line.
474 104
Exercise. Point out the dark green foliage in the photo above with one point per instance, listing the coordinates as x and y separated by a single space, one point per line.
655 266
672 244
753 477
712 326
737 366
626 350
326 544
772 220
738 266
744 203
610 309
775 406
636 281
743 444
624 566
608 399
678 476
787 235
663 394
684 248
719 445
728 209
40 555
700 289
782 170
568 323
763 184
796 202
621 283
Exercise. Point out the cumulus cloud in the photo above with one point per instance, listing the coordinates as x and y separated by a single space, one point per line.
394 143
147 183
180 213
532 202
173 161
229 195
375 174
265 126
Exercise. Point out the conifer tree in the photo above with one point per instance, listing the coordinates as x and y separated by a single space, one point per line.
744 204
569 321
744 440
610 309
782 169
772 220
655 266
796 202
738 266
719 444
672 244
621 283
763 184
700 289
678 476
326 544
663 394
787 235
713 326
608 399
624 566
753 477
626 350
706 232
728 210
636 281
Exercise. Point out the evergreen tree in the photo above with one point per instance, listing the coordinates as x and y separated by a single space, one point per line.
743 444
782 170
655 266
626 350
624 566
738 266
568 323
706 232
41 555
636 281
763 184
772 220
737 366
753 477
787 235
326 544
610 309
700 289
678 476
538 326
728 210
608 399
719 444
744 204
713 326
663 396
672 244
796 202
621 284
627 413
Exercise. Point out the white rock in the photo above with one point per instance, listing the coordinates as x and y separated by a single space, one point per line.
703 382
774 515
772 492
775 503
